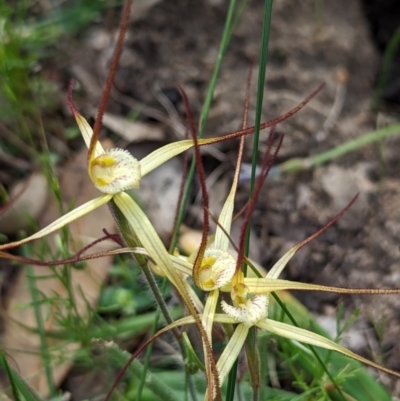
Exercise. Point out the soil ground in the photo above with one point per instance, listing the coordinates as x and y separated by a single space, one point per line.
175 43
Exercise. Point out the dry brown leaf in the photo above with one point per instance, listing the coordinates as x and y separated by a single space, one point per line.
159 192
31 197
24 347
132 131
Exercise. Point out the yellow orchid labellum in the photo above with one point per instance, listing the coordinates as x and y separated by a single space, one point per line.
216 269
248 311
115 171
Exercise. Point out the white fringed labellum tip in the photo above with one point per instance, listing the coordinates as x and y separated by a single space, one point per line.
250 312
114 171
216 270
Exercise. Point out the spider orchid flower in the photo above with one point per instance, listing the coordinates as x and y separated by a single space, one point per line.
217 266
249 308
113 171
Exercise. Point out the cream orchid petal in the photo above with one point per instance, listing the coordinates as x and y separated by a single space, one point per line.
182 265
208 321
87 133
149 239
225 221
278 267
163 154
63 220
307 337
223 318
225 217
231 351
209 312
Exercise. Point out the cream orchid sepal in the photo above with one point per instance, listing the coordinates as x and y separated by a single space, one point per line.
237 340
268 285
63 220
112 175
148 238
103 164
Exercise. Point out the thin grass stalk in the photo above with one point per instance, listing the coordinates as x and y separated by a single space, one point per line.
230 390
299 164
44 350
259 105
238 14
149 349
14 387
262 344
388 59
159 388
226 35
253 362
251 356
126 234
17 383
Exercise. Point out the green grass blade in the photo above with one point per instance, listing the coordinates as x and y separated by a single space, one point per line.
259 106
13 385
226 35
44 350
18 385
158 387
299 164
387 63
360 385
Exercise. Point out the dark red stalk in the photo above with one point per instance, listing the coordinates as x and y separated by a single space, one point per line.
279 119
203 244
130 360
78 257
266 165
111 74
202 180
267 124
